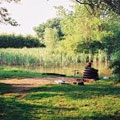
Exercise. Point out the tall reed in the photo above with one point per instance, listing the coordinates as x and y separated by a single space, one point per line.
41 57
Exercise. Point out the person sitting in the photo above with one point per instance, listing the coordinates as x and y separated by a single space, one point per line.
89 72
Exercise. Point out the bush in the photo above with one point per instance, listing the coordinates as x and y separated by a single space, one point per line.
13 41
115 65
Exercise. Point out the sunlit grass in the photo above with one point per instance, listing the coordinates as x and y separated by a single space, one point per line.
96 101
13 72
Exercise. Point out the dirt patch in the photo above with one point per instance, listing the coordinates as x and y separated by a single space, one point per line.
23 86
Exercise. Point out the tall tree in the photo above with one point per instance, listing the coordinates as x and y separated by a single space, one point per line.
52 23
83 31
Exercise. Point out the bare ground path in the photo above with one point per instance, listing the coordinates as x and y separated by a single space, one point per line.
23 86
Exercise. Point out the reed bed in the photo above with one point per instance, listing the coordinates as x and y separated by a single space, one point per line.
43 57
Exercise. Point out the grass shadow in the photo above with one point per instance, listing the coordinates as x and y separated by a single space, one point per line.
5 88
80 92
39 103
12 109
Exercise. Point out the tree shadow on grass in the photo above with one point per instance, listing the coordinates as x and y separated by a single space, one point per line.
97 116
12 109
72 91
79 92
38 96
4 88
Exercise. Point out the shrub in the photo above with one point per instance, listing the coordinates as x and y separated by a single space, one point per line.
13 41
115 65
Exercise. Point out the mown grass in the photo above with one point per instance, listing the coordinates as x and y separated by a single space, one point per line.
95 101
14 72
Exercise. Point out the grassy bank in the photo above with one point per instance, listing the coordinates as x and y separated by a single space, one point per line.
96 101
14 72
9 72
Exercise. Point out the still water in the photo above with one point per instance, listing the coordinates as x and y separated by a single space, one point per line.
103 69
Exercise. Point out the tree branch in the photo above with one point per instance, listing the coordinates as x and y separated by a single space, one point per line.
4 14
85 3
114 5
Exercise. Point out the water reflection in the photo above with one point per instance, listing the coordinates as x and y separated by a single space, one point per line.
69 70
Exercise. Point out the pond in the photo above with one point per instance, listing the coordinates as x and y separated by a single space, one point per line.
102 67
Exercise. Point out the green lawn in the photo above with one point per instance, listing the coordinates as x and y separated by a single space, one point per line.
95 101
13 72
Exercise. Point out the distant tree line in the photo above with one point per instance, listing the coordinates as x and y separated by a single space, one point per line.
19 41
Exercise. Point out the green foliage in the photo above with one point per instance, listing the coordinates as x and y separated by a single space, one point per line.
61 11
86 33
19 41
50 38
83 32
111 42
52 24
90 47
115 64
41 57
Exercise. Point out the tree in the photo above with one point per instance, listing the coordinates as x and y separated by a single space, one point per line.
4 14
19 41
115 65
53 24
102 4
51 38
83 31
111 42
